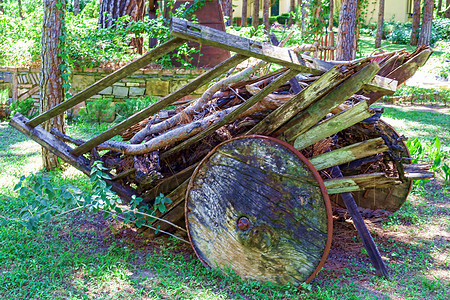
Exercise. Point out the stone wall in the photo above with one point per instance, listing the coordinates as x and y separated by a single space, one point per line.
145 82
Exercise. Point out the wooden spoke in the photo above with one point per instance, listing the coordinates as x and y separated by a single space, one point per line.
258 206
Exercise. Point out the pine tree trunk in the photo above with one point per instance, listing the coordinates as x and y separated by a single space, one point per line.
447 12
255 17
425 31
76 7
266 8
244 13
152 7
346 30
380 24
291 11
415 24
439 8
330 20
51 89
227 8
357 29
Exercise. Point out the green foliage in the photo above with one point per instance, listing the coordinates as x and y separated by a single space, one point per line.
98 110
45 202
23 107
416 94
4 96
130 106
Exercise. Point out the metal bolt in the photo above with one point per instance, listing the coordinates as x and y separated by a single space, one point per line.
243 223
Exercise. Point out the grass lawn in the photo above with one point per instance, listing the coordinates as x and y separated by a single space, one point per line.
84 256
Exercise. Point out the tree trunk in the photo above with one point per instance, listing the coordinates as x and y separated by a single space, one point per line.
291 12
1 7
439 8
76 7
415 24
19 3
227 8
255 17
447 12
51 89
330 20
111 10
346 30
425 31
244 13
152 8
266 8
380 24
357 29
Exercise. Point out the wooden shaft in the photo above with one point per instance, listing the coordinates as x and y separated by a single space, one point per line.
359 183
364 233
108 80
164 102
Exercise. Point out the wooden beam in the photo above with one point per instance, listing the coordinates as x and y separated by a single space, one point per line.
318 110
333 125
213 37
162 103
233 115
299 102
29 93
62 150
103 83
349 153
359 183
381 84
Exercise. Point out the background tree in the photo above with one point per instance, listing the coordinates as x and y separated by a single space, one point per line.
291 12
447 12
380 24
415 24
346 30
112 10
76 7
152 8
227 8
266 7
439 13
427 20
330 19
19 3
244 13
1 6
255 17
51 83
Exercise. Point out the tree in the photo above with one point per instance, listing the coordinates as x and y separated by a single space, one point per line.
1 6
427 20
291 11
227 8
439 13
244 13
415 23
447 12
111 10
330 19
19 3
255 17
152 8
380 24
76 7
266 7
346 30
51 83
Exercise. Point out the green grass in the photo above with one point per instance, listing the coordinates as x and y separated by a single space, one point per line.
84 256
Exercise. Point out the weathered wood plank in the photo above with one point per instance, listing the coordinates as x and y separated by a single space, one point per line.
299 102
62 150
333 125
209 36
162 103
123 72
349 153
263 205
381 84
315 112
359 183
235 114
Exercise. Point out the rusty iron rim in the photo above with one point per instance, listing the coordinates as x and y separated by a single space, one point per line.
313 170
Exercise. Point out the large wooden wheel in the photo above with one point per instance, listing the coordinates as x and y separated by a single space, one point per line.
257 206
391 198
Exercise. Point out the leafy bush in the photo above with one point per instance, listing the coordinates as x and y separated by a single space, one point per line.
441 27
98 110
4 96
23 107
133 105
283 18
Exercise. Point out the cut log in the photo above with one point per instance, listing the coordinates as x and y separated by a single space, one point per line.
264 207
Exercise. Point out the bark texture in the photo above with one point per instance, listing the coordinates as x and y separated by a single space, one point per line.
425 32
52 92
447 12
266 7
152 7
415 24
330 20
76 7
227 8
346 30
291 10
244 13
255 17
380 24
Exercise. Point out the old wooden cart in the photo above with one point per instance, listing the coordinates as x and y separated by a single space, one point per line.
252 164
